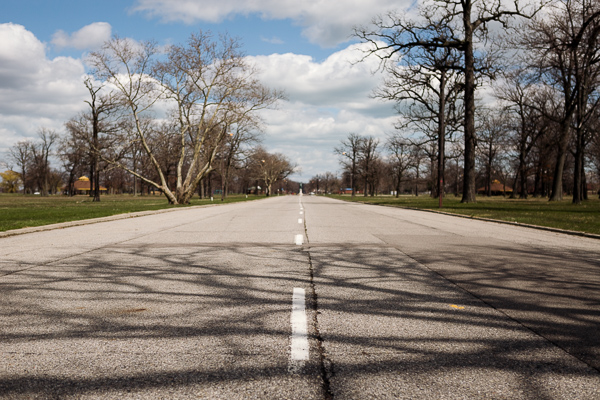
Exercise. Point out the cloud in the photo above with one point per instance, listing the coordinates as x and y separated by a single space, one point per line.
340 81
89 37
35 91
327 100
327 23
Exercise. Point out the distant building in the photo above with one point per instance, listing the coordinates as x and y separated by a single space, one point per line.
82 186
349 191
497 189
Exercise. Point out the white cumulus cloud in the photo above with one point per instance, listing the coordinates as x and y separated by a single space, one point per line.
326 23
326 101
89 37
35 91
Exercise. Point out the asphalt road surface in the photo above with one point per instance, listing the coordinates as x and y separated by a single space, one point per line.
300 298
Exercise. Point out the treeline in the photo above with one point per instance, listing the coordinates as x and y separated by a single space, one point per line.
538 130
178 123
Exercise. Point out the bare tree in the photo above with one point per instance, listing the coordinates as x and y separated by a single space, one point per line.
101 106
211 88
426 87
74 154
330 181
564 49
22 155
401 158
468 25
271 167
492 139
237 146
350 150
367 160
41 159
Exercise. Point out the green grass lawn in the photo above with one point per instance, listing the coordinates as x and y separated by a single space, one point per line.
536 211
20 211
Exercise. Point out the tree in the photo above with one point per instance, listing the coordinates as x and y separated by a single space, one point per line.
426 87
74 155
210 87
349 151
101 106
235 148
330 181
10 181
492 139
467 22
401 158
271 167
22 155
564 49
40 153
368 156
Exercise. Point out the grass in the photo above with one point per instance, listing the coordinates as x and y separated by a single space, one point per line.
21 211
584 217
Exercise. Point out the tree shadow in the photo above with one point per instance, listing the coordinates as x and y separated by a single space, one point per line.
465 311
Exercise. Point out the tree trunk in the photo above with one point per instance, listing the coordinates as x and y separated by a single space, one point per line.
441 138
469 101
557 182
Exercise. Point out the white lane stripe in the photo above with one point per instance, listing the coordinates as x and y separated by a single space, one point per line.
301 212
299 220
299 346
298 239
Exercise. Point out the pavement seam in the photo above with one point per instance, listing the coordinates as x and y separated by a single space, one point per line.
325 364
528 328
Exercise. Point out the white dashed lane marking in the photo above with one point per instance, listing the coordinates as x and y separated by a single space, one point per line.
299 352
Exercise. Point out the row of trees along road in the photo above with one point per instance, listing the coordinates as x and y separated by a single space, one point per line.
545 76
397 165
238 167
212 94
172 120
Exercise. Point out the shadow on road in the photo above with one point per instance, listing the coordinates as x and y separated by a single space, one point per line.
456 321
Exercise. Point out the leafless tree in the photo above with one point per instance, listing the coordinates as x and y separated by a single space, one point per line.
210 87
22 155
367 163
271 167
101 108
41 152
563 47
349 151
401 158
467 24
492 138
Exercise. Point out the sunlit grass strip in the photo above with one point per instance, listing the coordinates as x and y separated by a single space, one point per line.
19 211
533 211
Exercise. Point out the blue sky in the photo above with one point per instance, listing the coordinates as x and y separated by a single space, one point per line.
301 47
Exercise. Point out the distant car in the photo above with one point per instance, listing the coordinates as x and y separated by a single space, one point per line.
36 193
312 193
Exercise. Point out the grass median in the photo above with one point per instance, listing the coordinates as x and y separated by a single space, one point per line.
564 214
21 211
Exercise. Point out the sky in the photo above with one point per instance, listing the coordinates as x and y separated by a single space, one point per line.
303 47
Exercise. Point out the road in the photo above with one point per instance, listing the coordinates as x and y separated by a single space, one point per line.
302 298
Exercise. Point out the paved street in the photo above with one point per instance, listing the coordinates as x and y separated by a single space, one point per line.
198 303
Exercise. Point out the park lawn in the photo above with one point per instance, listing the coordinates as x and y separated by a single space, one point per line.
21 211
584 217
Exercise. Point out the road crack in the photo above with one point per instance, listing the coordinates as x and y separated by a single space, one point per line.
325 364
